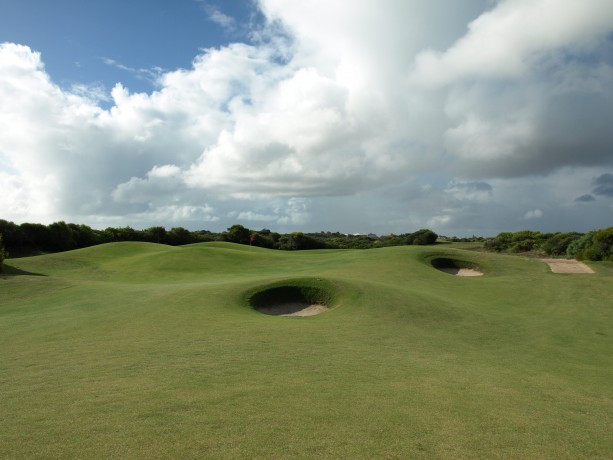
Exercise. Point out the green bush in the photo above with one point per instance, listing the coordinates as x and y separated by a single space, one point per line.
559 243
596 245
422 237
577 248
499 243
512 242
300 241
602 245
555 244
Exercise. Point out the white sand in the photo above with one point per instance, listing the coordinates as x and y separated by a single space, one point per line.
462 271
567 266
294 309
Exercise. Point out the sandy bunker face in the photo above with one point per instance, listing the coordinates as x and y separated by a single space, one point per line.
455 267
567 266
290 301
293 309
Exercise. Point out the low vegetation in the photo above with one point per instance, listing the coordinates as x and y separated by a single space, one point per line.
595 245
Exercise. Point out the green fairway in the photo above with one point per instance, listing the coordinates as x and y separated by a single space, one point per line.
138 350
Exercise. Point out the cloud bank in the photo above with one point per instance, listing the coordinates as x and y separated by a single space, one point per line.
346 115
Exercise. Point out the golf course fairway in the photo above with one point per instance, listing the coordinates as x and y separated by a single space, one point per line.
139 350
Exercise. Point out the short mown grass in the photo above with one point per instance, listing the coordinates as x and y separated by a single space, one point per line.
135 350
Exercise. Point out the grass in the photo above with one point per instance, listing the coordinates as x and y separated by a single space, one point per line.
136 350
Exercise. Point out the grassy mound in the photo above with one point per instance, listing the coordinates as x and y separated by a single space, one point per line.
138 350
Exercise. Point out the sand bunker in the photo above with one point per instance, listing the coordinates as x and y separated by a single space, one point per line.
293 309
462 271
301 299
567 266
456 267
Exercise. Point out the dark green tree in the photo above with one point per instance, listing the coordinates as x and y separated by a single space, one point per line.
300 241
286 243
34 237
85 236
60 237
3 253
201 236
263 239
423 237
237 234
11 233
178 236
112 234
156 235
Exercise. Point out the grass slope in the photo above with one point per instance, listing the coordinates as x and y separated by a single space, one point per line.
148 351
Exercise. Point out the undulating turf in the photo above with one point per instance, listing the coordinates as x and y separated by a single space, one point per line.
135 350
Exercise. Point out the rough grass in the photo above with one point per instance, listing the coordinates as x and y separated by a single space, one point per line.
135 350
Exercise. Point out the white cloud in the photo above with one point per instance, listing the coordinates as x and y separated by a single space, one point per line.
296 212
93 93
348 112
469 191
439 221
255 217
504 41
162 183
533 214
218 17
149 74
178 213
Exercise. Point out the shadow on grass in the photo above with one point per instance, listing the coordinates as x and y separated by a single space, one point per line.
7 271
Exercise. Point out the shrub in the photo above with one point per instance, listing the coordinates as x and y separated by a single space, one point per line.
423 237
595 245
500 243
577 248
526 241
602 245
300 241
557 245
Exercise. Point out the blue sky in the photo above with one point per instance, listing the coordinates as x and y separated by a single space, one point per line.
92 41
469 117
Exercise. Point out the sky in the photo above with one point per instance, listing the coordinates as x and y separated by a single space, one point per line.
469 117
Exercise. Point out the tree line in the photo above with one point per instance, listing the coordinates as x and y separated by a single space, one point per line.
3 253
28 239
